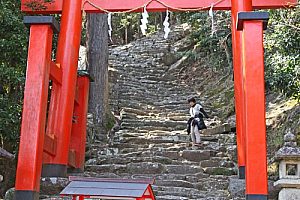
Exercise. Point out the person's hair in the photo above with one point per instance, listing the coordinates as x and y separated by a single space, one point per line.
192 100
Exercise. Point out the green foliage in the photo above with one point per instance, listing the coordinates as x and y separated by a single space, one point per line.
282 44
282 52
212 43
13 43
126 27
110 121
38 4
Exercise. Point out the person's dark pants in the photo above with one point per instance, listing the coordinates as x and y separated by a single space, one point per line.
200 123
188 125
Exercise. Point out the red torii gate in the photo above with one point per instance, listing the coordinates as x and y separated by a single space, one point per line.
62 144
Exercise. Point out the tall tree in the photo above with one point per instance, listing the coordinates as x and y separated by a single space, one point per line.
97 62
13 48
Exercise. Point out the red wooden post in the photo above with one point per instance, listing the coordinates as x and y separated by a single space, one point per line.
78 135
34 110
253 61
81 197
61 106
238 6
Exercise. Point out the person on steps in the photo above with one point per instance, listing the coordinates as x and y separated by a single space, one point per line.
196 123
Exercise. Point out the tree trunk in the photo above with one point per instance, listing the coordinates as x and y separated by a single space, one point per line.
227 51
162 18
126 35
97 64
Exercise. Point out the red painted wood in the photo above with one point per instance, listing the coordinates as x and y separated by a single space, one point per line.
52 114
238 6
60 115
121 5
76 95
78 134
34 108
254 85
151 192
72 157
50 143
56 73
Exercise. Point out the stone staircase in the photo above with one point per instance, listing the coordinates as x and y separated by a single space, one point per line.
152 141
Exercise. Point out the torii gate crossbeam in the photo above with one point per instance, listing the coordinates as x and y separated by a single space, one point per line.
59 147
154 6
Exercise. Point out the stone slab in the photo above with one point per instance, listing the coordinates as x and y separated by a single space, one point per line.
225 128
289 194
288 183
196 155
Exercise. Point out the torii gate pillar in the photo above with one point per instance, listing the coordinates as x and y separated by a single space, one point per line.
61 105
239 6
34 111
250 96
252 25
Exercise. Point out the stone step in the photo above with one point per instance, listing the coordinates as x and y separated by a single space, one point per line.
224 128
203 184
174 151
190 193
128 155
166 146
171 197
126 160
147 98
150 84
141 103
174 183
156 139
153 116
129 127
183 169
197 155
142 72
175 139
153 122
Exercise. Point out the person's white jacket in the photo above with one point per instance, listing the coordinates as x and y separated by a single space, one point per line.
195 110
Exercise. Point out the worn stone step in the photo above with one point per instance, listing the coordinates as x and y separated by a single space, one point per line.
153 122
166 146
158 139
132 168
126 160
191 193
129 127
174 183
171 197
162 80
212 184
106 168
192 178
178 191
220 171
197 155
224 128
183 169
163 157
